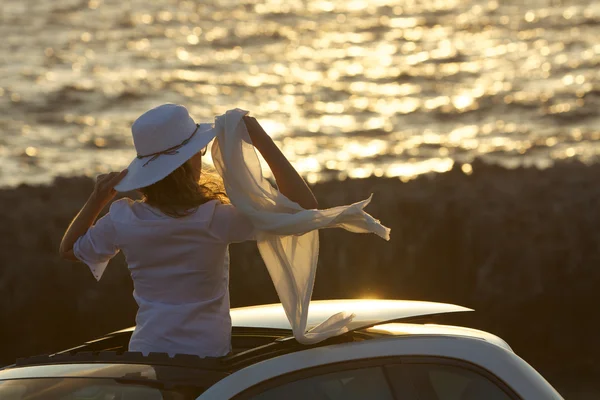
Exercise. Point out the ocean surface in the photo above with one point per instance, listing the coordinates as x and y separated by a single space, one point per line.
347 88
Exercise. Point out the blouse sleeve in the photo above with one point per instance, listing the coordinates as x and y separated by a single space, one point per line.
231 225
97 246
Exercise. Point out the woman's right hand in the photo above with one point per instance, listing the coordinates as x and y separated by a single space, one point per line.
289 182
258 136
249 121
252 125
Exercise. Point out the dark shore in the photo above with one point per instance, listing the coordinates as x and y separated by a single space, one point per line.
521 247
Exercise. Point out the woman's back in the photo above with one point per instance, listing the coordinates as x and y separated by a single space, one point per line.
172 260
180 272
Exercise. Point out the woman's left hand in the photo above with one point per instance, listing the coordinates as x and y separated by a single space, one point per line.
104 189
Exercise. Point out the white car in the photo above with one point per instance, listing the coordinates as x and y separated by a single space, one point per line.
383 356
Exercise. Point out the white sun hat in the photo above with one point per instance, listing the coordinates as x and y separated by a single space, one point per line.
165 137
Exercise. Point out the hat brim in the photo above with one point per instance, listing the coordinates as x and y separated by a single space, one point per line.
141 173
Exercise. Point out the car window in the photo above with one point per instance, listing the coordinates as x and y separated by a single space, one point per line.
84 388
354 384
430 381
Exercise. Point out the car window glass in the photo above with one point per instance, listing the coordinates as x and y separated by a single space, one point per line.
83 388
355 384
412 381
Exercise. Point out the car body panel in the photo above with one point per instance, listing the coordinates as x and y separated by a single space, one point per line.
398 328
504 364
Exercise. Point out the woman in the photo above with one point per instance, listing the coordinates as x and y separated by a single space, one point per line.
175 240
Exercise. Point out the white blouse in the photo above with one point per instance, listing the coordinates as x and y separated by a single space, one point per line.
180 272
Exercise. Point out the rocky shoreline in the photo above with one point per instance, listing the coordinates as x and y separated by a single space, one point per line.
521 247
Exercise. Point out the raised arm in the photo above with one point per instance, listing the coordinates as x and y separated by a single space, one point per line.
289 182
103 193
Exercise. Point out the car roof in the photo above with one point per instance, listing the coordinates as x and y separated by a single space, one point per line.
367 312
203 373
263 333
258 333
406 329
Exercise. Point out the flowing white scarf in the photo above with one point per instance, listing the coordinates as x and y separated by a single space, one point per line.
287 234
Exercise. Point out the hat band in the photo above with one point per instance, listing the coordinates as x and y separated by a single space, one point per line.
170 150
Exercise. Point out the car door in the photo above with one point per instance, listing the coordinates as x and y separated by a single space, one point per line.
393 378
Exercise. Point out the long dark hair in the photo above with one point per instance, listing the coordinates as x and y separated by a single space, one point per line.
180 194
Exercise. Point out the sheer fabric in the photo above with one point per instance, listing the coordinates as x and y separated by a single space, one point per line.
286 234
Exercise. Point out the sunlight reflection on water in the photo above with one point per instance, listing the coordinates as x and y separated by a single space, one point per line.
347 88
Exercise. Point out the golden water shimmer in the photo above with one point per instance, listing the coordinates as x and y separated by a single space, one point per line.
348 88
